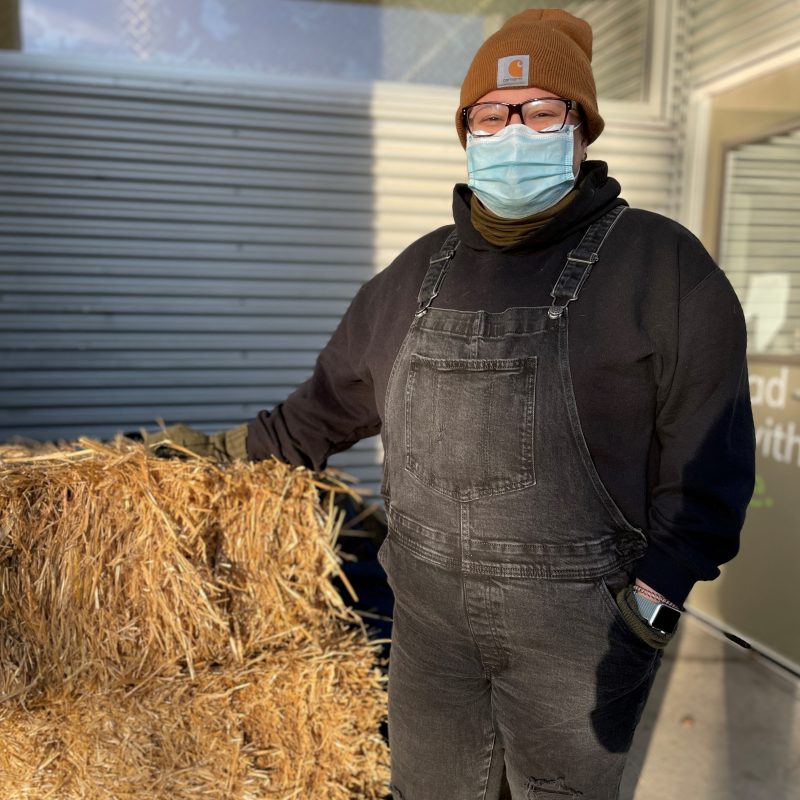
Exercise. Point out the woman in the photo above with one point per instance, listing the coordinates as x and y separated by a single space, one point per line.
561 389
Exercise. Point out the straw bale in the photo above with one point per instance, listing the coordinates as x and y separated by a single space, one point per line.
291 724
169 629
171 561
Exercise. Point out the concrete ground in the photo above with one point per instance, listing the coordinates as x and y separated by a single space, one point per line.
722 723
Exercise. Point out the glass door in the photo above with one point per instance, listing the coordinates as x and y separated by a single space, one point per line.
756 132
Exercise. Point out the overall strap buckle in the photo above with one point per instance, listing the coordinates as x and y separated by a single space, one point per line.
580 262
437 269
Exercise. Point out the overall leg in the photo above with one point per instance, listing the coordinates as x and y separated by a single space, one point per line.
572 694
441 734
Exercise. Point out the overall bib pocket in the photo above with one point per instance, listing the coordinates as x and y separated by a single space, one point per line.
469 424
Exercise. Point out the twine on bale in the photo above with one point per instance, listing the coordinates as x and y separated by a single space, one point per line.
168 628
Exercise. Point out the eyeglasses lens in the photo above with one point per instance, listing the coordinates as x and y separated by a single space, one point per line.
485 119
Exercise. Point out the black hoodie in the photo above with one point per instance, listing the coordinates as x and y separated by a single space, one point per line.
657 355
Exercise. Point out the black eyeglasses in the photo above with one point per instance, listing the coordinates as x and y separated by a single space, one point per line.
541 114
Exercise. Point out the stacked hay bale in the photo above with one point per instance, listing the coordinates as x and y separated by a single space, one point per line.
168 629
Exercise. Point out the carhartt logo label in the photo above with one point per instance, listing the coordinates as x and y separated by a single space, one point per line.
513 71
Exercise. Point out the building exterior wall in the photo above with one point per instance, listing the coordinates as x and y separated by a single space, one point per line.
173 249
724 35
179 246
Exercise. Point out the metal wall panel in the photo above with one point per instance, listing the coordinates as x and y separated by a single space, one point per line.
174 249
621 44
183 248
416 163
726 33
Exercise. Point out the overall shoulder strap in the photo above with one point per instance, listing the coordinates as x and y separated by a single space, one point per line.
437 268
581 260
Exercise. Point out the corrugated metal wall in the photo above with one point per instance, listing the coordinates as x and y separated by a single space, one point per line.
759 239
621 44
173 249
415 166
724 34
182 248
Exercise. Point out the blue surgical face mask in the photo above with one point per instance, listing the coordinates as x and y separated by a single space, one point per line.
519 172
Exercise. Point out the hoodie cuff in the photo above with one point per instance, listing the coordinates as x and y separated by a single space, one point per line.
667 576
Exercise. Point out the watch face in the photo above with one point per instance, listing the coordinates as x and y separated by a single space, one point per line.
666 619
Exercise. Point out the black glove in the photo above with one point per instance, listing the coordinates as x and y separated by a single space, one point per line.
223 446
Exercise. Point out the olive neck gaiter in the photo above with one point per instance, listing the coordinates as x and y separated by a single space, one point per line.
507 232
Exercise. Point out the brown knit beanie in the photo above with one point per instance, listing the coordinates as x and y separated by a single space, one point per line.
543 47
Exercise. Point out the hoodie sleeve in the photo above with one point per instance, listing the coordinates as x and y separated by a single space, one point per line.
705 433
333 409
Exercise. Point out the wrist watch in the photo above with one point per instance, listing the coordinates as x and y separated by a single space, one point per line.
657 615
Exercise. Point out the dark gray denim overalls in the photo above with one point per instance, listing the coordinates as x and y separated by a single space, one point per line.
503 550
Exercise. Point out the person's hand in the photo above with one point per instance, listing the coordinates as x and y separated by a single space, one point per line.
222 446
650 592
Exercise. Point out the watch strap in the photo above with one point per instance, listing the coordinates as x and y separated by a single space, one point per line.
645 605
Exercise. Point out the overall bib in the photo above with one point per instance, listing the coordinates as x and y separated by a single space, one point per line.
504 550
